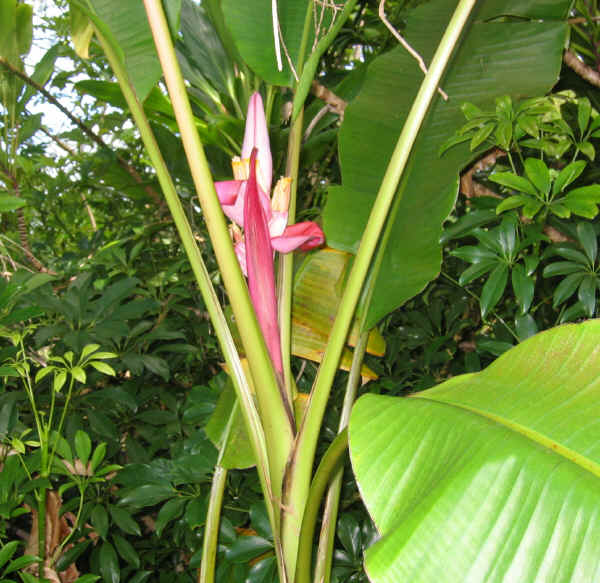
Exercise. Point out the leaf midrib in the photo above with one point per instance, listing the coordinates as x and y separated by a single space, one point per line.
535 436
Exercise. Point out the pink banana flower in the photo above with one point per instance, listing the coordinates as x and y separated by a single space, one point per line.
260 268
246 201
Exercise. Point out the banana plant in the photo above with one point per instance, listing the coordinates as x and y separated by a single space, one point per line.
388 212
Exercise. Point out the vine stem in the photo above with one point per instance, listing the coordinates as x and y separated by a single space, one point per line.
297 481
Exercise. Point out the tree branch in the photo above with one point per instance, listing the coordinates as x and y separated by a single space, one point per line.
584 71
86 130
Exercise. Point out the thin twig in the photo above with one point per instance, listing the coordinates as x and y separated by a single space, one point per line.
403 42
582 19
335 103
584 71
315 120
59 142
287 55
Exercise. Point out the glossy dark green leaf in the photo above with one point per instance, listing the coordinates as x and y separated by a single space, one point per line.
567 175
124 520
146 495
493 289
566 288
570 254
538 174
523 287
514 181
587 237
72 554
195 512
525 326
507 235
83 446
7 551
126 550
264 571
474 254
489 477
99 519
561 268
477 270
109 564
348 531
246 548
466 223
513 202
140 577
479 71
573 312
169 511
587 294
88 578
259 519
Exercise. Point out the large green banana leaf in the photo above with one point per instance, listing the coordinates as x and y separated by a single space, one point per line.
126 28
512 56
251 25
493 476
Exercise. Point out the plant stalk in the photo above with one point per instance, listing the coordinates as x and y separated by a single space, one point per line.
327 467
211 528
330 511
285 273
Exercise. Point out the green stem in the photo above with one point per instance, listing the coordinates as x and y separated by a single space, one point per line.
286 262
301 464
206 573
43 437
81 487
308 25
332 500
61 421
211 529
329 464
279 432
